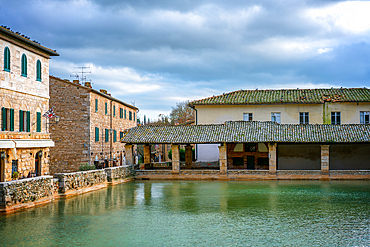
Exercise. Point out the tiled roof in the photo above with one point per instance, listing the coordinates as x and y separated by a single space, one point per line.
284 96
241 131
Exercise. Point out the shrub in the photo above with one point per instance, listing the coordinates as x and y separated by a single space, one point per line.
86 167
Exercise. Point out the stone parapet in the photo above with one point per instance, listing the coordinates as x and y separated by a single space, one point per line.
24 193
118 174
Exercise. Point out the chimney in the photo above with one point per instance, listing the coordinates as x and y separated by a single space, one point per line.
76 81
103 91
88 84
109 94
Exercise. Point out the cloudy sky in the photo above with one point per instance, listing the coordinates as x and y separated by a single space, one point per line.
154 53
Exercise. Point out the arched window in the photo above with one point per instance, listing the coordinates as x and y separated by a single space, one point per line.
24 65
38 70
7 59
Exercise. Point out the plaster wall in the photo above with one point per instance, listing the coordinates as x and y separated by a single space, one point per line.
349 157
299 156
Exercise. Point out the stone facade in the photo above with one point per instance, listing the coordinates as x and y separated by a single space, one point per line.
118 174
24 97
87 116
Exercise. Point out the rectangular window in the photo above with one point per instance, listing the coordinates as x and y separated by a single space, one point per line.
114 111
247 117
7 116
275 117
96 134
120 135
125 113
303 118
38 123
120 112
129 115
28 123
364 117
96 105
114 136
335 118
134 116
106 108
106 135
23 121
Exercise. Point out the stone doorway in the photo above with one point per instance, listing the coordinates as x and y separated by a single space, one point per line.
38 157
2 167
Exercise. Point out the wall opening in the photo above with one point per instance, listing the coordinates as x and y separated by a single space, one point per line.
298 157
349 156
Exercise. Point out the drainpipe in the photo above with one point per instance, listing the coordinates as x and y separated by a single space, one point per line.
111 132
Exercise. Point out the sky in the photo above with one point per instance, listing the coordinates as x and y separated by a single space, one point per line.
153 54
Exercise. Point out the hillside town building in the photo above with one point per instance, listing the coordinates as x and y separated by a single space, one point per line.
24 97
90 127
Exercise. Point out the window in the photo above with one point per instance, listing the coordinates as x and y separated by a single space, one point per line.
38 70
335 118
24 65
247 117
96 134
7 116
106 135
120 135
275 117
250 147
303 118
125 113
38 123
120 112
96 105
114 136
364 117
106 108
114 111
129 115
7 59
134 116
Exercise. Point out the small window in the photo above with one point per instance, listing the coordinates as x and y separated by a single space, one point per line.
114 110
250 147
303 118
129 115
120 112
106 135
120 135
38 70
275 117
125 113
134 117
96 134
247 117
114 136
7 123
106 108
96 105
7 59
364 117
335 118
38 122
24 65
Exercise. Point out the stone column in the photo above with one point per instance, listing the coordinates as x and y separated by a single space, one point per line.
325 161
272 158
175 158
188 156
129 154
146 157
223 158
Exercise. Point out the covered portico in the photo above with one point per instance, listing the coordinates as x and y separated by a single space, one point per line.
241 141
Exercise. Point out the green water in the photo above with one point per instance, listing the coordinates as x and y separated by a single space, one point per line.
192 213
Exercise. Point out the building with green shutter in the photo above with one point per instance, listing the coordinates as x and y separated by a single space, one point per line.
24 97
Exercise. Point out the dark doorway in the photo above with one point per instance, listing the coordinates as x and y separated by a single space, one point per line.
238 162
2 167
250 162
14 166
38 157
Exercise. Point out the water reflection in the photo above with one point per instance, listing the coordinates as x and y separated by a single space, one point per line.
189 213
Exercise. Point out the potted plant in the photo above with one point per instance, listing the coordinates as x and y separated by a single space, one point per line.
15 175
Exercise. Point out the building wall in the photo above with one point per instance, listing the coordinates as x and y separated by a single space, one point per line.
299 157
72 133
102 150
349 156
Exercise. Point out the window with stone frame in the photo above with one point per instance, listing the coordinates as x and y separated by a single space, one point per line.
120 113
303 118
6 59
114 110
247 116
7 119
364 117
38 121
96 134
335 118
38 70
96 105
129 115
24 121
24 65
106 135
106 108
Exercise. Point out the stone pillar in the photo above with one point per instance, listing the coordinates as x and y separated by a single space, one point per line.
188 156
129 154
325 161
175 158
146 157
272 158
223 158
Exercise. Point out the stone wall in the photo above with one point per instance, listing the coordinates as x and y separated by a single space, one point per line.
116 174
80 180
25 191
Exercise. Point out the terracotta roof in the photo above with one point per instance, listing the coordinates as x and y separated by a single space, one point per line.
24 39
284 96
241 131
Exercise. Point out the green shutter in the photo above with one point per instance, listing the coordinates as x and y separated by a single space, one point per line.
96 105
3 125
106 135
114 111
125 113
11 119
106 108
38 70
7 59
21 126
38 125
114 136
96 134
134 116
24 65
28 121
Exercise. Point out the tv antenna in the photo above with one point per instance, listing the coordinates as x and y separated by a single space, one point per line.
81 75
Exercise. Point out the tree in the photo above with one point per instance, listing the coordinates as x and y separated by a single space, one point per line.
182 113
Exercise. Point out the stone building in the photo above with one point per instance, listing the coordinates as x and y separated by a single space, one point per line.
90 128
334 106
24 97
